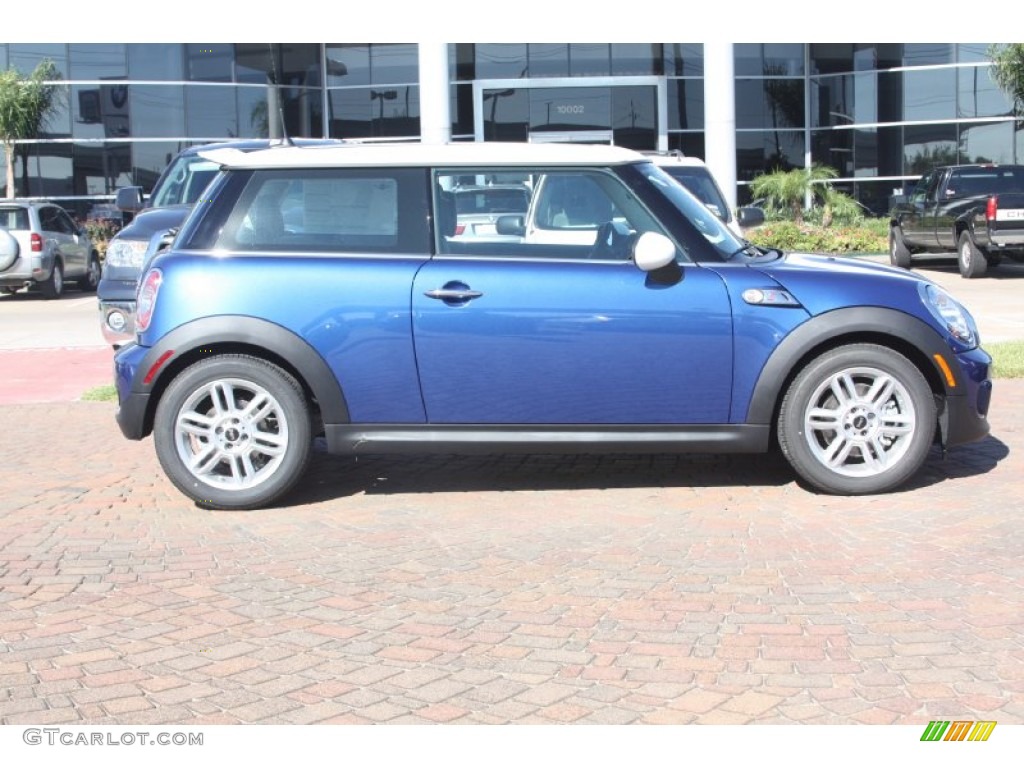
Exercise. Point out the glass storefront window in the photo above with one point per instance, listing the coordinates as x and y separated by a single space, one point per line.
760 152
210 62
547 60
210 112
770 103
100 168
461 100
506 115
97 61
986 143
589 59
25 57
684 59
769 59
375 112
569 109
691 144
100 111
281 63
156 61
348 64
500 61
978 95
925 146
926 54
928 94
638 59
394 63
685 104
157 111
44 169
970 52
634 123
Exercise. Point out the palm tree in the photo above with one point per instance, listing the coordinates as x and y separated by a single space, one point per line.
790 189
26 105
1008 71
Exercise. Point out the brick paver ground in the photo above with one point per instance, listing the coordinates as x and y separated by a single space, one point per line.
530 589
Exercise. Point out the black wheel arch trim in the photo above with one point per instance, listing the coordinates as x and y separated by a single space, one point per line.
831 328
255 333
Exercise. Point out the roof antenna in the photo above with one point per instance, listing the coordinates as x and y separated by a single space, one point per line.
276 126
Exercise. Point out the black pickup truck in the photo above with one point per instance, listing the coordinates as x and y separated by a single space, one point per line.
975 212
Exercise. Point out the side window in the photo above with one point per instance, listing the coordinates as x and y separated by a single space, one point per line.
569 214
333 210
925 188
65 223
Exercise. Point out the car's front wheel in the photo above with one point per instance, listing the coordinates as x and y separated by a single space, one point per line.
859 419
233 432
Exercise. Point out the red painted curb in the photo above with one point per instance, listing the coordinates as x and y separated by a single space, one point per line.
54 375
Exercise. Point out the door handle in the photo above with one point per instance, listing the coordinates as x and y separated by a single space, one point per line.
453 294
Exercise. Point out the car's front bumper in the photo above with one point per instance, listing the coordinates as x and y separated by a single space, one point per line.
965 416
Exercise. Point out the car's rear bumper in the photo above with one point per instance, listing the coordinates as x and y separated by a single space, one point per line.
132 406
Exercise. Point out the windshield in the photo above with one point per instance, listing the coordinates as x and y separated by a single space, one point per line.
183 182
703 219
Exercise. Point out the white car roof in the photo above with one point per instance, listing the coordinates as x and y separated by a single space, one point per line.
490 153
676 160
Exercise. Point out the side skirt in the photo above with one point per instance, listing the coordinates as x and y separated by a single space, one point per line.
531 438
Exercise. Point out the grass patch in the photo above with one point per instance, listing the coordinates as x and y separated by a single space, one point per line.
1007 359
103 394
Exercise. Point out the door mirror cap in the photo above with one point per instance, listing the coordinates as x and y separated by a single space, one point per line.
129 199
653 251
510 225
749 216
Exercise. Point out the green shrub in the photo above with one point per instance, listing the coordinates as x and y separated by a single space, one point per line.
101 232
868 236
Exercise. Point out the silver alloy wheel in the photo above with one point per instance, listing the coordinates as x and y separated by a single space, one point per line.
859 422
231 434
58 279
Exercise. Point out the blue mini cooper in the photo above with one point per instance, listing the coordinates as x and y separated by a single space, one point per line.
324 292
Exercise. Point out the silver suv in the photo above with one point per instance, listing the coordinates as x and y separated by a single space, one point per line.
40 244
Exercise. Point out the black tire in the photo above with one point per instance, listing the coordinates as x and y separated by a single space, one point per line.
973 261
203 418
857 420
53 286
899 253
93 273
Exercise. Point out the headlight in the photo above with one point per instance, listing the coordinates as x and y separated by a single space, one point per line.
126 253
952 315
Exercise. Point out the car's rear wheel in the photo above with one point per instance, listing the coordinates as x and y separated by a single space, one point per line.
53 286
899 253
859 419
972 260
233 432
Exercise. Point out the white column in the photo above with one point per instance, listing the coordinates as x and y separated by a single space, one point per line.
720 116
435 109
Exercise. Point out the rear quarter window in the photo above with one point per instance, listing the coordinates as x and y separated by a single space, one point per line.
13 218
317 210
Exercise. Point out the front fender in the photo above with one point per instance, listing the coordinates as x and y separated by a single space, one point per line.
855 323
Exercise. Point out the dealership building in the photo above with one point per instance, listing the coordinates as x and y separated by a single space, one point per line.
878 113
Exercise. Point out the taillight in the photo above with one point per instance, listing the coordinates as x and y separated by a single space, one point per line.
37 242
991 208
147 299
460 228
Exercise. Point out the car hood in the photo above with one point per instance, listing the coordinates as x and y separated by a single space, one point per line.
150 220
812 280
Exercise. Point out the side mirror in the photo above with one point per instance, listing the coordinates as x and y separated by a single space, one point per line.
510 225
653 251
129 199
749 216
